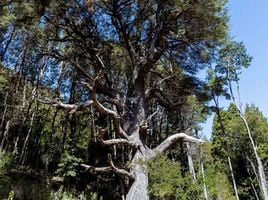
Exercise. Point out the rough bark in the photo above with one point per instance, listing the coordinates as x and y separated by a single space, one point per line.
139 188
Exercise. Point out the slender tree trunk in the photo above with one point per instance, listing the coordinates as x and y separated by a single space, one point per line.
4 114
233 179
93 131
113 136
203 176
19 134
53 129
254 190
24 95
190 162
254 170
25 143
3 53
34 93
5 136
261 174
253 187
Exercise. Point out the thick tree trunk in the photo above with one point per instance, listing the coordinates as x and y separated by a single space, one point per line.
139 188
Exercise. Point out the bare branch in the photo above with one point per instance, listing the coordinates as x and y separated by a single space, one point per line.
161 98
149 118
99 106
69 107
102 109
164 79
119 142
117 170
115 102
171 140
96 169
73 63
110 168
114 141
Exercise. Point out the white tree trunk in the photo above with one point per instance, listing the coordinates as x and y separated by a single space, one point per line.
139 189
190 162
5 135
25 143
261 174
262 178
203 177
233 179
4 113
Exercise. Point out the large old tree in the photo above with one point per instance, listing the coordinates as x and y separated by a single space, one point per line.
129 57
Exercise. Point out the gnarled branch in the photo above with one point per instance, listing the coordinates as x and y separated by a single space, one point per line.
102 109
69 107
110 168
110 142
161 98
171 140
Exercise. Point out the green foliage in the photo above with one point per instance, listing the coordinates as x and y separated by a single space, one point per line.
4 75
167 182
218 185
230 138
11 195
61 194
68 165
66 194
5 162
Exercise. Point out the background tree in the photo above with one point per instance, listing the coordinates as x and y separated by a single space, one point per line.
235 144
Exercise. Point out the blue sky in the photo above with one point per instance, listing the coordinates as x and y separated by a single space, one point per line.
249 23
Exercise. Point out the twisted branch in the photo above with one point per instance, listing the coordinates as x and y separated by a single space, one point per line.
102 109
110 168
171 140
69 107
119 141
